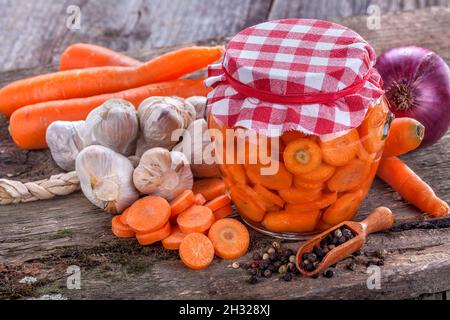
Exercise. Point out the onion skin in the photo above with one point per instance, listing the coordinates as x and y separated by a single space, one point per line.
417 85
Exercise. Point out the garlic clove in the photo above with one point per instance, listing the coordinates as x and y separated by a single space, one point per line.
160 117
199 103
65 141
163 173
106 178
196 144
114 125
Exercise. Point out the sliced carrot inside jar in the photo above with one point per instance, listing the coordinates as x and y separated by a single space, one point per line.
237 173
372 128
341 150
275 176
302 184
349 176
297 195
244 198
302 156
321 174
269 196
325 201
289 221
290 136
344 208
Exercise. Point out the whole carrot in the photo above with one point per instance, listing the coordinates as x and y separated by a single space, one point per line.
29 124
94 81
85 55
411 187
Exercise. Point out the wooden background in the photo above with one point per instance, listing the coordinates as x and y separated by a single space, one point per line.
41 239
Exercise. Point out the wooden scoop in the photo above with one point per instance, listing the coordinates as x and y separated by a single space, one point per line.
380 219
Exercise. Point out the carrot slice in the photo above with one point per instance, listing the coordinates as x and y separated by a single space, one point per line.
290 136
302 184
297 195
279 179
321 174
196 251
218 202
237 173
349 176
209 188
322 226
148 214
223 212
325 201
230 238
199 199
268 196
372 128
302 156
344 208
244 199
124 216
195 219
173 241
151 237
362 153
121 230
340 151
185 200
288 221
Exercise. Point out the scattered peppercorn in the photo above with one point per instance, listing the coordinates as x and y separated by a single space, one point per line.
263 265
267 273
288 253
329 273
287 277
256 256
253 280
252 272
273 256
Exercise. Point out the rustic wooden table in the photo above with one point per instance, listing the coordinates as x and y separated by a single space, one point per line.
41 239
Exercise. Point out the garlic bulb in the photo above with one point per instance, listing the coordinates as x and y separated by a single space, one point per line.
159 117
199 103
114 125
106 178
65 141
163 173
197 146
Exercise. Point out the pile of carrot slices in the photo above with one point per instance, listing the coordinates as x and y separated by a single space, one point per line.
198 228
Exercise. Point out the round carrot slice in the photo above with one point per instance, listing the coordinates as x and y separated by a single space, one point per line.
223 212
343 209
154 236
121 230
302 156
268 196
230 238
237 173
325 201
173 241
288 221
340 151
124 216
196 251
321 174
199 199
297 195
209 188
290 136
274 176
245 200
349 176
148 214
218 202
195 219
302 184
185 200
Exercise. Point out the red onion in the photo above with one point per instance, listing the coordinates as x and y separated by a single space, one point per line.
417 85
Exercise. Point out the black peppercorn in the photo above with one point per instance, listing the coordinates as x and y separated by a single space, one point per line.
357 253
273 256
380 263
257 256
263 265
305 256
254 265
288 253
245 266
319 252
329 273
287 277
347 233
312 257
342 240
253 280
267 273
252 272
272 268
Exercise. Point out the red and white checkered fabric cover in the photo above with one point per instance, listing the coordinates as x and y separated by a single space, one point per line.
290 58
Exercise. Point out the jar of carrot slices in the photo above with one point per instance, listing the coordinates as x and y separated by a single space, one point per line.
299 120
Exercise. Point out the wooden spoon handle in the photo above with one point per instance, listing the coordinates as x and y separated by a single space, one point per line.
380 219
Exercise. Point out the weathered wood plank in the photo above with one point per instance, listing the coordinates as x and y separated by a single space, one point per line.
34 33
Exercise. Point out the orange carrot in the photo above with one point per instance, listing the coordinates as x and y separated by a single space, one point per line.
339 151
290 136
151 237
372 128
121 230
209 188
196 251
268 196
302 156
297 195
405 135
173 241
291 221
279 179
95 81
325 201
237 172
84 55
230 238
148 214
302 184
181 203
349 176
244 198
411 187
223 212
199 199
321 174
124 216
195 219
344 208
28 125
218 202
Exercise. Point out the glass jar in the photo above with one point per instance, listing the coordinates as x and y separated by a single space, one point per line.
300 184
